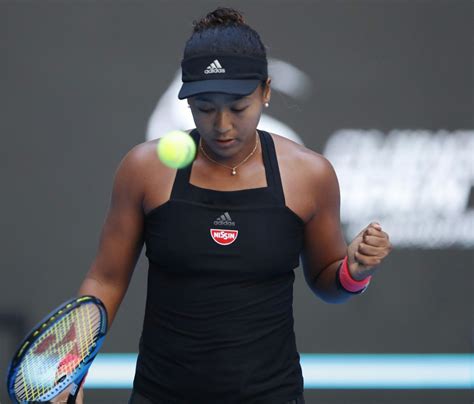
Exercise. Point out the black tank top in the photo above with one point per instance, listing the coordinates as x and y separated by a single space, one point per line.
218 323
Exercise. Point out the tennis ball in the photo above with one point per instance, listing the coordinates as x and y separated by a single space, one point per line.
176 149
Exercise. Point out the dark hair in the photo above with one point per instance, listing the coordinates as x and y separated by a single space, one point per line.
224 31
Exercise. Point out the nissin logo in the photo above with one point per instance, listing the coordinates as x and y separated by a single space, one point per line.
224 237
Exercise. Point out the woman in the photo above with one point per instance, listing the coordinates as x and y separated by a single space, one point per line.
224 235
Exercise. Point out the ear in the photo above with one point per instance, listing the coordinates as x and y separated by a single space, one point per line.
267 91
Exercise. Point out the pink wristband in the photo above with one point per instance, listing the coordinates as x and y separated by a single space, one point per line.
349 283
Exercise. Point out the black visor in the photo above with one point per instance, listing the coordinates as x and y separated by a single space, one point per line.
229 74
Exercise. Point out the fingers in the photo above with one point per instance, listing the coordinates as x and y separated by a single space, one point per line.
371 251
367 261
80 396
63 397
368 249
374 246
376 240
375 236
374 229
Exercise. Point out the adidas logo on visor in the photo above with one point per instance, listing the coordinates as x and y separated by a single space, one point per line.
214 67
224 220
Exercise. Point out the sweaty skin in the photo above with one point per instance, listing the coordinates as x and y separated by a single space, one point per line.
309 182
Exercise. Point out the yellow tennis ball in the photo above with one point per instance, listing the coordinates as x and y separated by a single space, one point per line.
176 149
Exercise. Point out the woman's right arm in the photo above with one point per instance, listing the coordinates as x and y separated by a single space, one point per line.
121 239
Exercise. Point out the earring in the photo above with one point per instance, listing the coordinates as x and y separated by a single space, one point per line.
266 105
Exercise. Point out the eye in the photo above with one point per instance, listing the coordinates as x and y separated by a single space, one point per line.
237 110
205 110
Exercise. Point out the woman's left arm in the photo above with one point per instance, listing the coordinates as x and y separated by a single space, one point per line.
324 247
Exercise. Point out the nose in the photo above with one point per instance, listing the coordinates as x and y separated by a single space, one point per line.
222 123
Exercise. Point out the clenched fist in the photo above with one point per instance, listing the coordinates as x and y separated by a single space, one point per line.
367 250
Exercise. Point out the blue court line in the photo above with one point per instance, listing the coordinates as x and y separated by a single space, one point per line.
331 371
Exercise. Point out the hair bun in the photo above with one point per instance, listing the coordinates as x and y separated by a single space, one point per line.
221 16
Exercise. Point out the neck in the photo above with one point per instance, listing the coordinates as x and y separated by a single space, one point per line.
242 156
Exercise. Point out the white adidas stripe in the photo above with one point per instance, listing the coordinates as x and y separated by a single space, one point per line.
214 67
225 217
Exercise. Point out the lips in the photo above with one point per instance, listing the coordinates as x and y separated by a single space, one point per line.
225 142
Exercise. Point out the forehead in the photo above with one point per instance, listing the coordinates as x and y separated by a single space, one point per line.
221 98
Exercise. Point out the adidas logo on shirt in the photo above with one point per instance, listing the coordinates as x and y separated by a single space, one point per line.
214 67
224 220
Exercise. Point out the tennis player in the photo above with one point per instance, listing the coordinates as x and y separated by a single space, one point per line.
224 236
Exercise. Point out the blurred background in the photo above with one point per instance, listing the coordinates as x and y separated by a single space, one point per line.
384 89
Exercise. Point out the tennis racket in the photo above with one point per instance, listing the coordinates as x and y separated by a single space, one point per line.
58 352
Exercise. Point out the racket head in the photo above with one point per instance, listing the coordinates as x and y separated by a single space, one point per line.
58 351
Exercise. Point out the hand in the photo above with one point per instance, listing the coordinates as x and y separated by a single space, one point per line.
69 362
367 250
62 398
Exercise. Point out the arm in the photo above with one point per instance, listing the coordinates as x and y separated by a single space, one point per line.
120 243
121 238
324 246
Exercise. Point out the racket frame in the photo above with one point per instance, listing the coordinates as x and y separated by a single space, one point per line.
45 324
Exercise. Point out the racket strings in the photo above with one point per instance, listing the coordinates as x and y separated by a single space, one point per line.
57 353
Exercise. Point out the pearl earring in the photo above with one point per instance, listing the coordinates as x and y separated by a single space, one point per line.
266 105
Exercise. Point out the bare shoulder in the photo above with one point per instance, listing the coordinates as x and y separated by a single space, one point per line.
130 174
144 172
135 168
307 177
139 155
143 161
296 158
